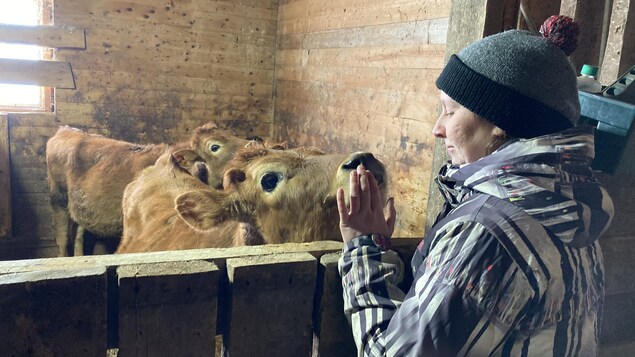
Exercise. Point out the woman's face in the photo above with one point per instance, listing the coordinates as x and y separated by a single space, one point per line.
467 136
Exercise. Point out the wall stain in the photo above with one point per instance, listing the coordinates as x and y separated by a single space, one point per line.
138 124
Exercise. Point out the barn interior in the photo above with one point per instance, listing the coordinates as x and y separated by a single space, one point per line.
342 76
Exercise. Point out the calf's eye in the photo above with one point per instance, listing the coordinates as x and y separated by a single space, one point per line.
214 147
269 181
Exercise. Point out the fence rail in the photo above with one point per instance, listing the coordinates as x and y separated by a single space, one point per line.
275 300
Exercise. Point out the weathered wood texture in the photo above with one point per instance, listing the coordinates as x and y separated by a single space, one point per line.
275 299
151 72
54 313
57 74
535 12
618 245
5 178
359 75
149 67
619 55
332 332
589 15
167 308
271 305
45 36
468 23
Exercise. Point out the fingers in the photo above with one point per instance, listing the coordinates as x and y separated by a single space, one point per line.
375 195
341 206
353 185
390 213
364 188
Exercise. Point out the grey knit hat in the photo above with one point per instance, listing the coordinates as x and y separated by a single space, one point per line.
522 83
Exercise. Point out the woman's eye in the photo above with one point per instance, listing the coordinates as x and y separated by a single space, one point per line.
214 147
269 181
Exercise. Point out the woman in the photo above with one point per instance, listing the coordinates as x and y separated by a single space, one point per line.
512 265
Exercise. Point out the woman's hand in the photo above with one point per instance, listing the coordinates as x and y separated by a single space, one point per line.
367 214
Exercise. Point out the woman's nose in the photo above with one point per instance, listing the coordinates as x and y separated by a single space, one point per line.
438 130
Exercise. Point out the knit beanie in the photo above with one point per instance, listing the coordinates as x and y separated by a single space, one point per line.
522 83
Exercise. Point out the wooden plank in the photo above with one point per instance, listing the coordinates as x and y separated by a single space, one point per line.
170 57
423 56
535 12
589 16
46 36
619 55
403 33
317 249
271 305
469 21
167 309
54 313
226 16
257 84
42 73
355 13
332 332
5 178
501 15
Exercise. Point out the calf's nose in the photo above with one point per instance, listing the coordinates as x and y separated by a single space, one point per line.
370 163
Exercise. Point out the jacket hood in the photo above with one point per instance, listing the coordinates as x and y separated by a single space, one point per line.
549 177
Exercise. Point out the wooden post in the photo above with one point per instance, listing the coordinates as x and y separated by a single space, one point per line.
537 11
167 309
271 305
589 16
5 178
54 313
620 47
332 333
470 20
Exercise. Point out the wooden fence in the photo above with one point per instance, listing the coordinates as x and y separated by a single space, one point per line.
276 300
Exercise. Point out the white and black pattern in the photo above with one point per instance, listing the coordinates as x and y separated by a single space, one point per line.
513 268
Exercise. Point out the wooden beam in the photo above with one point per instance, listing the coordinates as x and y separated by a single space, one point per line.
5 178
620 47
470 20
271 300
332 335
45 36
42 73
43 311
501 15
166 309
535 12
589 16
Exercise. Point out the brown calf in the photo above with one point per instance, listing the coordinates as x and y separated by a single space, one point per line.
87 175
288 196
150 222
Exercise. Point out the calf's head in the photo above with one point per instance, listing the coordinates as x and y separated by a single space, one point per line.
289 195
216 147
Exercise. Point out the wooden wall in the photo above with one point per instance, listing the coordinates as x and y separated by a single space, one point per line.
359 75
151 72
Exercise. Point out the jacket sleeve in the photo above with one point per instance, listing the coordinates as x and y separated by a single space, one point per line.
466 298
371 296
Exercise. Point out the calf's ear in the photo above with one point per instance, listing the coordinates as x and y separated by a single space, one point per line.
185 158
203 209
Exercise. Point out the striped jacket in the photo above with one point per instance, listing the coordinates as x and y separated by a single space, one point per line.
512 267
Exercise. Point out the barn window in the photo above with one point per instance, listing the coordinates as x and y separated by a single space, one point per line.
23 97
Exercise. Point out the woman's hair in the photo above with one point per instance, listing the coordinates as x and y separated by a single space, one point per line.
522 83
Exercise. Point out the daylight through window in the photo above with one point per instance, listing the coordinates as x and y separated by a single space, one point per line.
15 97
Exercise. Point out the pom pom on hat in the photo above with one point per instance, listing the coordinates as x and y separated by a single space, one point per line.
561 31
520 82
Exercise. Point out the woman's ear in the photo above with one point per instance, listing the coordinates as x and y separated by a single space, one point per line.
498 132
499 137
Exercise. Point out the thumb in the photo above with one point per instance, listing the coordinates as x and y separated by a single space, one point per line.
390 214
